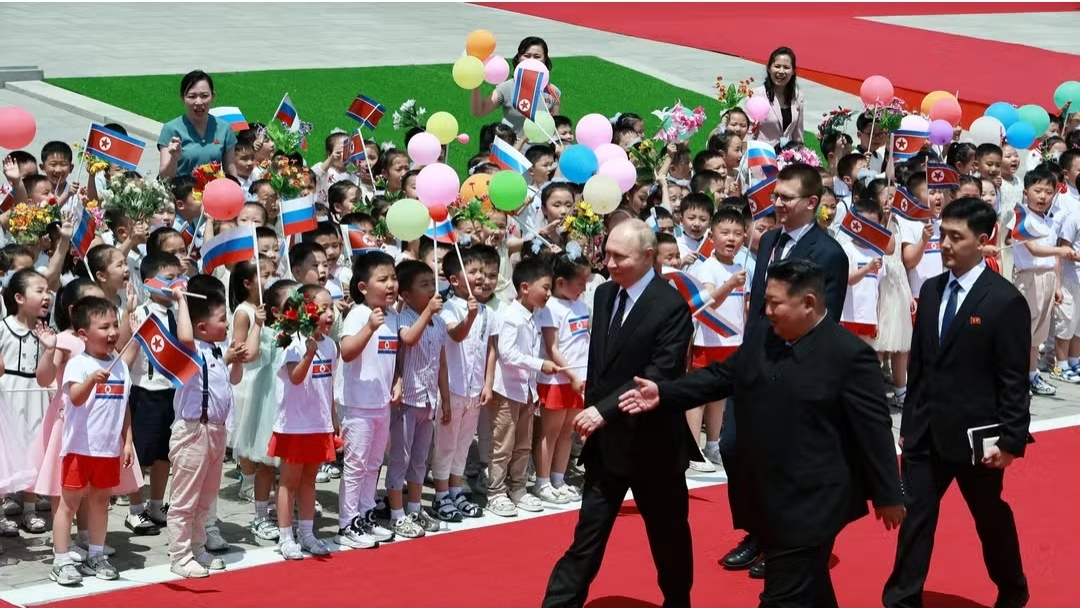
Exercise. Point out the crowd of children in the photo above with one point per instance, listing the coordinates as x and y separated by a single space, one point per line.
420 348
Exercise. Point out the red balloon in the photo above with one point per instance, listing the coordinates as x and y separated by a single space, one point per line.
438 212
17 128
223 199
947 109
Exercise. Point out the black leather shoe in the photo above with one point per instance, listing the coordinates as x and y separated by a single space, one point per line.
758 570
742 556
1012 600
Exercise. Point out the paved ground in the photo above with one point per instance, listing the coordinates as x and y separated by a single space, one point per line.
335 35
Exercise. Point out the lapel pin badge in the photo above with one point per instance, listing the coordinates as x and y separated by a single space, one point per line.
975 321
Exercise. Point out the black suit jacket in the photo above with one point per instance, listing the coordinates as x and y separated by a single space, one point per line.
816 245
814 437
977 376
655 337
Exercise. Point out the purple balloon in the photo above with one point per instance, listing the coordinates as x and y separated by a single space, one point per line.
424 148
941 132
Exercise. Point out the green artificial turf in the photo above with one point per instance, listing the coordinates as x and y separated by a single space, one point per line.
321 97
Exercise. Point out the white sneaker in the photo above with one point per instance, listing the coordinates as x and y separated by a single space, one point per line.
702 467
210 562
373 528
291 549
214 541
192 569
246 492
80 551
548 493
408 526
264 529
355 539
713 455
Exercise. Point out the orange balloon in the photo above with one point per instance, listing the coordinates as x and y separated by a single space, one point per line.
928 101
475 187
480 44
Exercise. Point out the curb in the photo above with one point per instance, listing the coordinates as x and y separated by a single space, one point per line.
137 126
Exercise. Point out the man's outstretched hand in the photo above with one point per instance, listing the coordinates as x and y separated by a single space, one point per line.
645 396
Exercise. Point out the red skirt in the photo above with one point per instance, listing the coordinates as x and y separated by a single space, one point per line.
702 356
560 397
302 448
865 330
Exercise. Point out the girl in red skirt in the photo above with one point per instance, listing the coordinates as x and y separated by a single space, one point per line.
304 429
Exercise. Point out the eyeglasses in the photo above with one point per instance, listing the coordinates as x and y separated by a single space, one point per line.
787 200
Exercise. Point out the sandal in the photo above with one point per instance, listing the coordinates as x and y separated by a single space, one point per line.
8 527
446 511
467 507
33 523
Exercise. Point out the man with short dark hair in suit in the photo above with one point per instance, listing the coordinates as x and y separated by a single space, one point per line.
795 199
815 439
968 369
641 327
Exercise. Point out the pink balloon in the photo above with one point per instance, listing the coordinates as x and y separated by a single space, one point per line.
496 70
941 132
17 128
424 148
876 89
947 109
593 131
437 184
757 108
463 138
223 199
622 171
609 151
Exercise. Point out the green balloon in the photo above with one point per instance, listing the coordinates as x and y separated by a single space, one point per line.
1067 92
542 130
507 190
407 219
1036 117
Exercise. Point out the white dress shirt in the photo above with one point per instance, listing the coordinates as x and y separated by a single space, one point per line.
519 354
967 281
634 292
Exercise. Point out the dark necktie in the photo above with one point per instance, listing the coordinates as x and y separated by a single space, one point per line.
950 309
781 242
171 318
617 320
216 351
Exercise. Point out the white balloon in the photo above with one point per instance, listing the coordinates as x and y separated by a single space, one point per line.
914 122
987 130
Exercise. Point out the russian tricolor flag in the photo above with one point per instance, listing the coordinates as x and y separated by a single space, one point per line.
229 247
357 241
83 236
286 113
529 88
908 207
441 232
158 285
366 111
168 355
233 116
762 155
1023 226
906 144
699 302
298 215
866 232
506 156
760 196
115 148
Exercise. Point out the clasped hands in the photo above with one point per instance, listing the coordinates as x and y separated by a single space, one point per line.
645 396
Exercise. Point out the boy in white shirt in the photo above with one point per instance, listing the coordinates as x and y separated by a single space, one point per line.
519 348
921 241
697 212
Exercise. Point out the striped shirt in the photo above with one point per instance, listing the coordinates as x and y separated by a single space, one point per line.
420 362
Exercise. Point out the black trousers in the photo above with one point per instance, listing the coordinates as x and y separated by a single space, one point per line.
798 578
926 478
663 502
727 456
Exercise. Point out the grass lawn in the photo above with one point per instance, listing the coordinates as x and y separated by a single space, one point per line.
321 97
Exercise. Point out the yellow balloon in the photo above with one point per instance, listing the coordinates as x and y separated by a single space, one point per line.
602 194
444 126
468 72
541 129
928 101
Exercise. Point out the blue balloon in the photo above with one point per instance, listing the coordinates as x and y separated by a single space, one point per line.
1004 112
578 163
1020 135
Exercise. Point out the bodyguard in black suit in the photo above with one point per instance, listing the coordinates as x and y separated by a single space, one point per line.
815 438
795 199
969 368
641 327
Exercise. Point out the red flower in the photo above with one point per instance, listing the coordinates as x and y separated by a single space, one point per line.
311 308
290 314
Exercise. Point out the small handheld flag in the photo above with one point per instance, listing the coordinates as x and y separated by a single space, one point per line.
760 197
84 232
700 302
354 150
529 88
158 285
298 215
286 113
229 247
907 144
441 232
357 241
7 198
506 156
1023 226
941 175
705 251
188 232
866 232
115 148
762 155
908 207
168 355
366 111
231 115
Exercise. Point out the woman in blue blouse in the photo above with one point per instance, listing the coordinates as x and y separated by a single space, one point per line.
196 138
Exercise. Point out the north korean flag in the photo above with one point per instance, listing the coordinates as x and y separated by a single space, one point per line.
761 197
388 345
111 390
528 91
166 353
941 175
866 232
579 326
366 111
906 144
7 198
908 207
115 148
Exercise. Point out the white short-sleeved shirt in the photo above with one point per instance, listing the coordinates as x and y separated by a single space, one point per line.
1022 257
1070 231
571 319
930 264
142 374
466 361
187 402
733 309
96 427
861 303
306 407
369 377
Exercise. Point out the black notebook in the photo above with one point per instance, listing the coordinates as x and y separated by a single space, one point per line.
981 439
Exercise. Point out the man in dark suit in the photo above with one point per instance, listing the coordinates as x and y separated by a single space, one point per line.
815 438
641 327
795 199
969 368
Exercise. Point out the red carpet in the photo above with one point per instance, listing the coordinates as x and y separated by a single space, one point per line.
508 565
838 49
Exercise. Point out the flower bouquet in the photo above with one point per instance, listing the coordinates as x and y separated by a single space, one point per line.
204 174
888 117
648 157
583 222
731 96
679 124
802 154
299 316
834 122
408 116
98 213
29 222
474 210
94 165
285 177
136 198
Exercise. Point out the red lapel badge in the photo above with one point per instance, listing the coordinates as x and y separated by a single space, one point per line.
975 321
